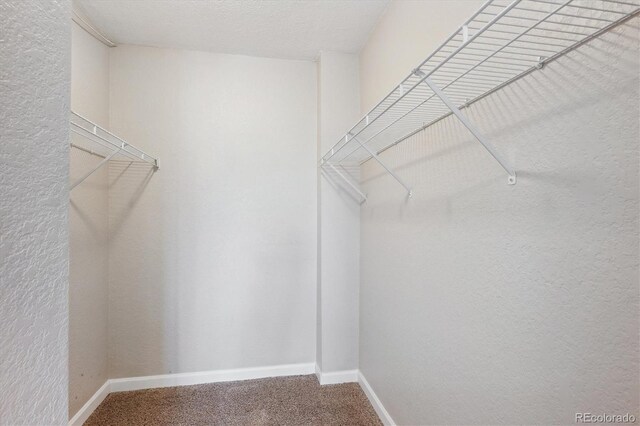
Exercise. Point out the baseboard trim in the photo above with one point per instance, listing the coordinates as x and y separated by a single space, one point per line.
213 376
83 414
185 379
216 376
335 377
375 401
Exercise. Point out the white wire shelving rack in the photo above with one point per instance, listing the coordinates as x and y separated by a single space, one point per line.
106 145
502 42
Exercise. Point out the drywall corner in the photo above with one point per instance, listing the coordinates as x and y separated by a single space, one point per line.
339 220
88 226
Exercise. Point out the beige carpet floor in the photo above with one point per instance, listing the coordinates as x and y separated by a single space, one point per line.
297 400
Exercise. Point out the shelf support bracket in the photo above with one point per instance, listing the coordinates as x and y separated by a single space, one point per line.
391 172
95 169
470 126
348 181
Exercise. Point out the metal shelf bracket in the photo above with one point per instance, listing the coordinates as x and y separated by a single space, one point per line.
104 161
377 158
503 41
363 196
469 125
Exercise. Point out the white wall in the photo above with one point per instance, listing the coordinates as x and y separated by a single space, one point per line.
88 226
484 303
212 260
34 200
339 219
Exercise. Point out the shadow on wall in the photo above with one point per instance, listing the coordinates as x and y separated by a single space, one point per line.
129 180
129 189
571 83
88 191
478 299
88 270
344 179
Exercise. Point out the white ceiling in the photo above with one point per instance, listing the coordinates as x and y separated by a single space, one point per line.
291 29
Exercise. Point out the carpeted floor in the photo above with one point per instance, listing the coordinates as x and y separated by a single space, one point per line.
297 400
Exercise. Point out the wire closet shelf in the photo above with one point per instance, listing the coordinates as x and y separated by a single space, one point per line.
503 41
107 145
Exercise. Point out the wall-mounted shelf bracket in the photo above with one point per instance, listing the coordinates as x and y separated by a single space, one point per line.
363 196
377 158
503 41
104 161
469 125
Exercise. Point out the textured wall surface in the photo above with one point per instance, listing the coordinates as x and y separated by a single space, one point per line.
339 219
213 258
88 226
34 200
484 303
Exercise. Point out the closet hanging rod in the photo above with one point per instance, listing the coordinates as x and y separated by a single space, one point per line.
501 42
366 118
91 130
528 71
96 139
84 127
88 151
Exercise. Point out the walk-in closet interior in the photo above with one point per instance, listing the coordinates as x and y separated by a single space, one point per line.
319 212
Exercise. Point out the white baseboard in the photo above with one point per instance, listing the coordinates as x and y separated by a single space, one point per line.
335 377
184 379
375 401
213 376
83 414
